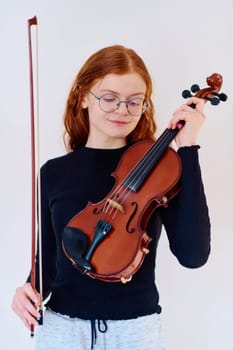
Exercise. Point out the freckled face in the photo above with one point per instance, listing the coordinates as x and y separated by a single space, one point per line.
110 129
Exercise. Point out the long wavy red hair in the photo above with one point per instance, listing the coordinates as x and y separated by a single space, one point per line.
115 59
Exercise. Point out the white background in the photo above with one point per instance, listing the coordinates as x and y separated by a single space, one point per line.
181 42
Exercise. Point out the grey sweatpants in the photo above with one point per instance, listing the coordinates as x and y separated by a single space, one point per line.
60 332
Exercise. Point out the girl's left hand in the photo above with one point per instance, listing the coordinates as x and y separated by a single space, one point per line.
193 117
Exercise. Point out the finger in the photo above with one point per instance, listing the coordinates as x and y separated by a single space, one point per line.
193 103
22 303
29 322
177 117
33 300
25 316
31 308
32 294
30 319
186 112
198 102
25 311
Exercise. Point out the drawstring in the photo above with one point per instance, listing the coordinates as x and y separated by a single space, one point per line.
102 328
93 334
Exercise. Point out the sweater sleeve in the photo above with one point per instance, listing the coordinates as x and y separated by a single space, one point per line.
48 242
186 219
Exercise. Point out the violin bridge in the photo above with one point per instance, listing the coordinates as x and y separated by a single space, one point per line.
116 205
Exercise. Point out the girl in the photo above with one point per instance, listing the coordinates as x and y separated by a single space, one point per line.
108 109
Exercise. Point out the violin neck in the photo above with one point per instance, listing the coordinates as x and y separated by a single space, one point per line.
140 172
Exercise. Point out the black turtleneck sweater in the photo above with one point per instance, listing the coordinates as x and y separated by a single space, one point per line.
67 184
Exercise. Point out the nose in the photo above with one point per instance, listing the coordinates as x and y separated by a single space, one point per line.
123 107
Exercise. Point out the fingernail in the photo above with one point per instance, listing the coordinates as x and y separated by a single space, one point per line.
179 126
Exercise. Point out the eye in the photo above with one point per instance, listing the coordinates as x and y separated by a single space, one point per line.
135 102
109 98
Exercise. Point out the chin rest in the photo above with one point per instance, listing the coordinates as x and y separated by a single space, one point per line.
75 244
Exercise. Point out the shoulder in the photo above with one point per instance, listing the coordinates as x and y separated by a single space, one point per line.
56 170
59 163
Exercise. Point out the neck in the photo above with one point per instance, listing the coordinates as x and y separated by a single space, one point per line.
112 143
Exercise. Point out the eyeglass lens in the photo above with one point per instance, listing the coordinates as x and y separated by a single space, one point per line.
110 103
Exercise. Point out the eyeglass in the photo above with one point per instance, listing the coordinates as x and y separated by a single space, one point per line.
110 103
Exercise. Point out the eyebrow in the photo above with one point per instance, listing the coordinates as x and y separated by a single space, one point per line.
116 93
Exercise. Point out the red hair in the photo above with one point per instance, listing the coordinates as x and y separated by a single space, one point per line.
115 59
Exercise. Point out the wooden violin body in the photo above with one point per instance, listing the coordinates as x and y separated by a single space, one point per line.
126 211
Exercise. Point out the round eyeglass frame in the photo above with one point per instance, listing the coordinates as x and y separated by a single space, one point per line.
145 104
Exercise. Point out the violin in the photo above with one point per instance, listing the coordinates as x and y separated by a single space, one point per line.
108 240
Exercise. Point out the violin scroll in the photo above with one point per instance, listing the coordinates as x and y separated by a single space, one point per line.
211 93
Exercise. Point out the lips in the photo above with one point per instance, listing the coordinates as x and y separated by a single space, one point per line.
119 122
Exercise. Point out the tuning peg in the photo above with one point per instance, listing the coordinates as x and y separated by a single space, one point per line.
195 88
186 94
222 96
213 100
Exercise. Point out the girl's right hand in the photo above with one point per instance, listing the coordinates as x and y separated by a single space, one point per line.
25 304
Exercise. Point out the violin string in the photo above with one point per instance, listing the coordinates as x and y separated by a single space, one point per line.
122 192
144 166
111 210
144 163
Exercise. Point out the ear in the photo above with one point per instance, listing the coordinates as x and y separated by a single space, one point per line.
85 102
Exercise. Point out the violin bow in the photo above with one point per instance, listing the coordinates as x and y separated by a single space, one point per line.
35 167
